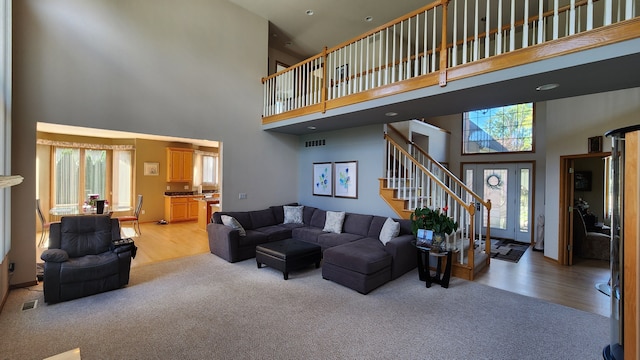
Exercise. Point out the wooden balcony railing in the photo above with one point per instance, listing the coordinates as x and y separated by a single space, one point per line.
423 48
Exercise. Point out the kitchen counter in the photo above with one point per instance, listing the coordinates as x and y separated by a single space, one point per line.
191 193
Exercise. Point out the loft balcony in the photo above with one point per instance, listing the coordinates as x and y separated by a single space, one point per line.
456 55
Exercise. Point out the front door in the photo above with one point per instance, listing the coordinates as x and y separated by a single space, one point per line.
509 186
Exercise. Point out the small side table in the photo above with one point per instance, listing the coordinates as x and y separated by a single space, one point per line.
424 272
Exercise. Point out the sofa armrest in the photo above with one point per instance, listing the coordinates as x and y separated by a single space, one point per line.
54 256
223 241
404 255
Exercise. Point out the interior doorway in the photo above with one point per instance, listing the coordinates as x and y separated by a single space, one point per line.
582 177
509 186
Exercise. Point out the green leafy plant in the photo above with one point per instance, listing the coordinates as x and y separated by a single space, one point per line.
432 219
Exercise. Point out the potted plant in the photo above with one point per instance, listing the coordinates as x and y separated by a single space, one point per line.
436 221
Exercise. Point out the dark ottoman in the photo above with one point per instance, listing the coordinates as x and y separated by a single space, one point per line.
289 254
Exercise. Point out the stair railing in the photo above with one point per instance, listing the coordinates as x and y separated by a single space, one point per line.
428 43
420 187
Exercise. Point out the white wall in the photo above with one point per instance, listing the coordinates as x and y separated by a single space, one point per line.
562 127
570 122
190 69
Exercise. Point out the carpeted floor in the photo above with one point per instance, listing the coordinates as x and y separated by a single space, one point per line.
202 307
507 250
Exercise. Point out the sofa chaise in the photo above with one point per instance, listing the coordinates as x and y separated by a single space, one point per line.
353 253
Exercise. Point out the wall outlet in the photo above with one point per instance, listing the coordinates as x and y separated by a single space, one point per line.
186 187
242 196
143 212
168 187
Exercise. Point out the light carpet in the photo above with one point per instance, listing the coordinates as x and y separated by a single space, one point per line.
202 307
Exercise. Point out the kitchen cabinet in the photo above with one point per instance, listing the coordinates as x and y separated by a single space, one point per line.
181 208
206 207
192 208
179 165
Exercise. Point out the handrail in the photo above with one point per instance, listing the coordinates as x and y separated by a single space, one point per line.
477 197
430 175
407 47
403 170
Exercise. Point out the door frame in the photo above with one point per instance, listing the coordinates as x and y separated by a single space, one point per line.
533 188
565 217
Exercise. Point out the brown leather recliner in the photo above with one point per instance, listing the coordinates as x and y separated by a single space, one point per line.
82 259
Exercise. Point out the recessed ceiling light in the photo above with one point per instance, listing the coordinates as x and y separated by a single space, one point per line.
311 127
368 19
309 12
391 113
546 87
288 43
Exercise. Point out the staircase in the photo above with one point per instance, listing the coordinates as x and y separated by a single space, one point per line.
414 180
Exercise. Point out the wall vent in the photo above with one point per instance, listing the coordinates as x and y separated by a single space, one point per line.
312 143
30 305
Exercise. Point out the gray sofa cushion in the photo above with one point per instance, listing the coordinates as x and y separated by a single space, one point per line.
318 219
357 224
275 232
307 233
327 240
307 214
365 256
252 238
262 218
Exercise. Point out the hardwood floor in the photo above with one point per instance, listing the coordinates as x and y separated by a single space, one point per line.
533 275
542 278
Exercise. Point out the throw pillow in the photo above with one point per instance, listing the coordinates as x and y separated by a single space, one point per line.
333 221
293 214
390 229
231 221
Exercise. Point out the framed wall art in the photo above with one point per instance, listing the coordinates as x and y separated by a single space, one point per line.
595 144
151 169
323 179
346 179
582 181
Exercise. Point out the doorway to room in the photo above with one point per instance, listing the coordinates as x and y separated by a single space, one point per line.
509 186
583 183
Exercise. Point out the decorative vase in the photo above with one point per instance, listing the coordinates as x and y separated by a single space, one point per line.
438 242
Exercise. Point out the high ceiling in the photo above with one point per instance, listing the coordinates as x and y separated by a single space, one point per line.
332 22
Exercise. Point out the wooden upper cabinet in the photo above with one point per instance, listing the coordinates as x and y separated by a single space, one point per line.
179 165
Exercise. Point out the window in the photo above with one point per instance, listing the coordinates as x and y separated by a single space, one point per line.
79 173
209 170
502 129
122 174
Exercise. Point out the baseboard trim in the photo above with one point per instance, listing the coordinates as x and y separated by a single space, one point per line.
5 296
23 285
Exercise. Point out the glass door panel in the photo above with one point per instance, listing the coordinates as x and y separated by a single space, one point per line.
508 186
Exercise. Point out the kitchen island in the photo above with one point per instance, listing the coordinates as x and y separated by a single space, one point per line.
206 207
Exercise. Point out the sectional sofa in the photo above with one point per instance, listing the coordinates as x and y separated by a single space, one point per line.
353 253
